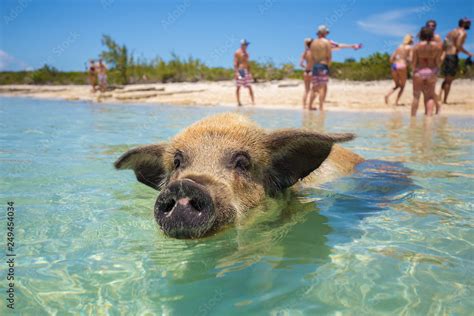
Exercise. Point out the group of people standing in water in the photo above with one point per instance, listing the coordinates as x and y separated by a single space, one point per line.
425 58
429 55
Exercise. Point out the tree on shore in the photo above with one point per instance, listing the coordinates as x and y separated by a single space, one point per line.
117 56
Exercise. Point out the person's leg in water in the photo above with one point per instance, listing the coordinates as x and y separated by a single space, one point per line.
429 94
396 80
324 88
307 88
439 96
402 75
424 93
430 105
237 93
322 95
437 102
417 85
446 87
251 94
449 69
314 92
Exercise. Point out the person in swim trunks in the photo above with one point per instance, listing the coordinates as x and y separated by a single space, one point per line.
453 45
321 52
243 77
320 74
306 63
426 61
400 59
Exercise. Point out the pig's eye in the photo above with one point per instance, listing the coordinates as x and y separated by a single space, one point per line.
178 160
241 161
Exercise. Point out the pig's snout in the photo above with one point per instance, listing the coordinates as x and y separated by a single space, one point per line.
184 209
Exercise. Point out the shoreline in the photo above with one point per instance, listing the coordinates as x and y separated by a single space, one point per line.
348 96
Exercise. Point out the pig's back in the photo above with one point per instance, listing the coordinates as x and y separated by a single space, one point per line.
341 162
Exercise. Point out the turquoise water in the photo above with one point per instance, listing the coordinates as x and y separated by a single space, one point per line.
394 238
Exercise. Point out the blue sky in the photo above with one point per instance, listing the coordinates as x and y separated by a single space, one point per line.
66 34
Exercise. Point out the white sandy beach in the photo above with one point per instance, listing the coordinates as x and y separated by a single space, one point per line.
342 95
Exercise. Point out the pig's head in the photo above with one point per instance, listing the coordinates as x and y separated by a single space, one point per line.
217 169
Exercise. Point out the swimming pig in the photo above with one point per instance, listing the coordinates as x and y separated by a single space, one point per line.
218 169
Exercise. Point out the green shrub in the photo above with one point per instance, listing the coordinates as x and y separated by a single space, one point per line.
117 56
373 67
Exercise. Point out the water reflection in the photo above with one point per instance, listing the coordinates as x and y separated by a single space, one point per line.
275 231
279 238
428 140
314 121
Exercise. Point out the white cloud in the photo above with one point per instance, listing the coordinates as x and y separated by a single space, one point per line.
8 62
390 23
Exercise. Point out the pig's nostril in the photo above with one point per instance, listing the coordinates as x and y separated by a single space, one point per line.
197 205
167 207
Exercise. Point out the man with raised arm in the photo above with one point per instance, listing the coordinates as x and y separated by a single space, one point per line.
321 52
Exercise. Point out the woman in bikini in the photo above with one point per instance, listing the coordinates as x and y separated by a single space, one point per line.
426 61
399 60
306 63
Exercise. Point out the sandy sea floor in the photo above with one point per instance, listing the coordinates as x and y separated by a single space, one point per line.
342 95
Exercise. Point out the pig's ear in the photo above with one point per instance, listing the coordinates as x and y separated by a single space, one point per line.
146 162
295 154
